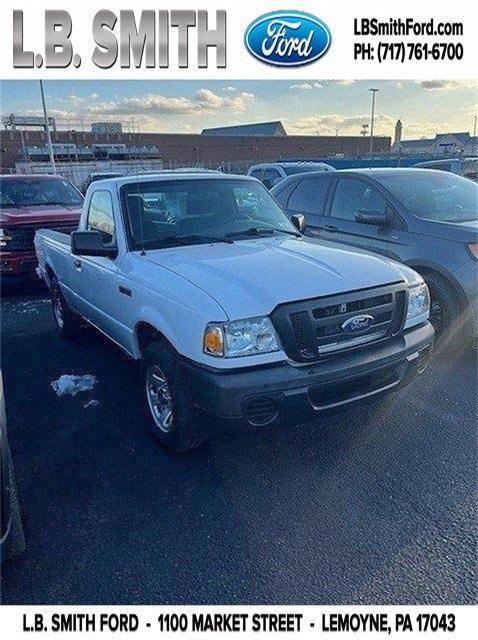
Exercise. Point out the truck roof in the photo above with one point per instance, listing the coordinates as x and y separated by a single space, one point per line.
169 177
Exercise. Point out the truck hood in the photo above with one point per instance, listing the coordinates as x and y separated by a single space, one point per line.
20 216
251 277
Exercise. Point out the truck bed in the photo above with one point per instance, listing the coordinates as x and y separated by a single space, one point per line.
53 247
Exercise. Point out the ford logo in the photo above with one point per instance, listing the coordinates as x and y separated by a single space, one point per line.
287 38
358 323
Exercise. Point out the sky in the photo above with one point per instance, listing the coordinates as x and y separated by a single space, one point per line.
307 107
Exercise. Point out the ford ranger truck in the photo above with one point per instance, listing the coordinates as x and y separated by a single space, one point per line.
231 311
28 203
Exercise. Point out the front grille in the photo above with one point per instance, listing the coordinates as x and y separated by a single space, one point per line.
314 329
335 393
22 237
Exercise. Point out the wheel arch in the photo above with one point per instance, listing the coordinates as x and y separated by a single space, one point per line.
425 268
145 333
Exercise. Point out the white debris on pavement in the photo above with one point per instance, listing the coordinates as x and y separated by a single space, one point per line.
29 306
91 403
71 385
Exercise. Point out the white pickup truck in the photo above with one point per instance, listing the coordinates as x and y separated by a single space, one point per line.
232 311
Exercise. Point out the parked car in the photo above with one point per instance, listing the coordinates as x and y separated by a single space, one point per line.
27 203
271 173
12 541
100 175
230 310
466 167
426 219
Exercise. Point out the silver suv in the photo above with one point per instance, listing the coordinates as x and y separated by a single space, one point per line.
271 173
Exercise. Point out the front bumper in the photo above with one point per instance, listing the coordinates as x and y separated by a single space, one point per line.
284 394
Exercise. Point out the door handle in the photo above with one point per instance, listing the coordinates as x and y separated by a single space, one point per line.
77 264
125 291
330 228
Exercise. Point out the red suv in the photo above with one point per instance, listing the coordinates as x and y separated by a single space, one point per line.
28 203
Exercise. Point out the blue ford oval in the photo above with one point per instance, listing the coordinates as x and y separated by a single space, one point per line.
287 38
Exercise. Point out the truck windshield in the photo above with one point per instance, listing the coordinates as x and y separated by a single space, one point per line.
435 195
28 191
197 211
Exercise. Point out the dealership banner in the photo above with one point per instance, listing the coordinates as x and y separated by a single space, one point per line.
260 622
227 39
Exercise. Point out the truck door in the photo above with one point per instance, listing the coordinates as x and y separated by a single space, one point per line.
352 196
94 277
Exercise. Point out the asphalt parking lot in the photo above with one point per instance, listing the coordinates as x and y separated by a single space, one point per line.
358 508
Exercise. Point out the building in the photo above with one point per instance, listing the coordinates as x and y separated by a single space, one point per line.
443 144
231 153
13 122
275 128
106 127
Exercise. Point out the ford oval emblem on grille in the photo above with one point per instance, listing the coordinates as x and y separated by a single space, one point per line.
358 323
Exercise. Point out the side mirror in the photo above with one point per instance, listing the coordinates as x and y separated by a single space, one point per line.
90 243
377 218
298 220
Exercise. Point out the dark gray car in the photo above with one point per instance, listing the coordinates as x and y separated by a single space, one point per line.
424 218
12 540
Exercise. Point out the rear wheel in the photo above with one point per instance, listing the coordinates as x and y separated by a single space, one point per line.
173 418
67 322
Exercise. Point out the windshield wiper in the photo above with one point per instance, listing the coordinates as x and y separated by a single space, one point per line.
258 232
194 239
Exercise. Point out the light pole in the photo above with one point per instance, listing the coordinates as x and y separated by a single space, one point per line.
474 135
372 116
47 129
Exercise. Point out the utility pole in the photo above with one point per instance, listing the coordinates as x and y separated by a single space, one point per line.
474 135
372 116
47 129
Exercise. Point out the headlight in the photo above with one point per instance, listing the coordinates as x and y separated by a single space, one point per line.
473 248
240 338
5 237
418 305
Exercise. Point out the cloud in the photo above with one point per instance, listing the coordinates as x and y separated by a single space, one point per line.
340 83
305 86
346 125
76 99
94 96
447 85
204 101
229 87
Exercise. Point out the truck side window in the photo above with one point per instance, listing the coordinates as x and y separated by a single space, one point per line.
100 216
271 177
309 196
352 196
256 173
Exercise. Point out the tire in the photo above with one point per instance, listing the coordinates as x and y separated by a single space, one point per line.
16 542
444 307
66 321
170 411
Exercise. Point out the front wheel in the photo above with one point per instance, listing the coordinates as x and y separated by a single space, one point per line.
173 418
443 306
